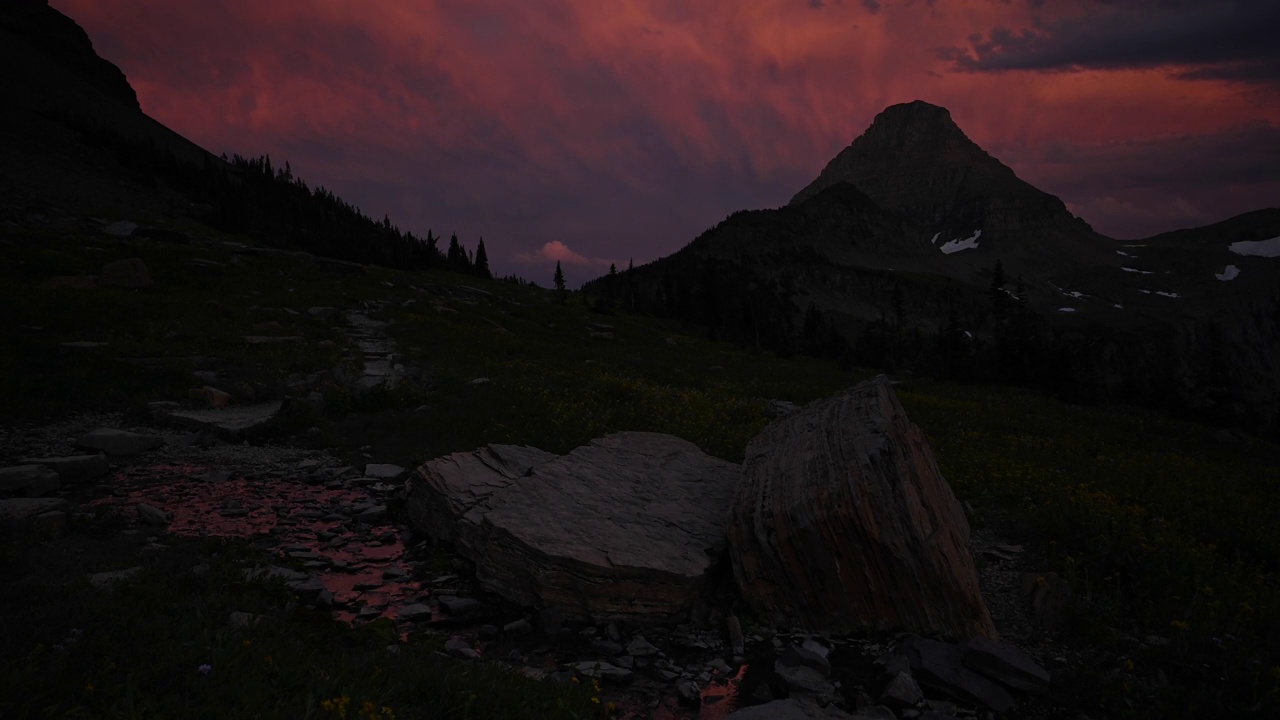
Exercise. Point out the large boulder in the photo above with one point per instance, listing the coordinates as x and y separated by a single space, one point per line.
628 527
843 520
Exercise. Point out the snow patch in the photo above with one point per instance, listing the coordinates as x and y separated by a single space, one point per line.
1121 252
969 243
1259 248
1118 306
1145 292
1167 294
1141 272
1066 309
1229 274
1074 294
934 241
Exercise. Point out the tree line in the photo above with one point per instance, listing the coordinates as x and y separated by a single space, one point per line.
268 203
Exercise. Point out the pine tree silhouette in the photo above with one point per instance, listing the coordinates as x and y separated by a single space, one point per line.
482 262
559 281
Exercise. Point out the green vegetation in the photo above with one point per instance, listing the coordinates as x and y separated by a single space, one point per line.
1162 527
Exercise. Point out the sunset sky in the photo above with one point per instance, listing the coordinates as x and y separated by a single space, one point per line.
595 131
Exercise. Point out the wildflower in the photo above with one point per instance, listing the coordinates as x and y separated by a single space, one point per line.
247 643
1178 625
204 669
595 699
88 688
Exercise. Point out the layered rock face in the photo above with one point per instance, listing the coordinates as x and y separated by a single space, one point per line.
843 520
628 527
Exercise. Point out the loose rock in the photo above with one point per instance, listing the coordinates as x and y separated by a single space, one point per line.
119 442
29 480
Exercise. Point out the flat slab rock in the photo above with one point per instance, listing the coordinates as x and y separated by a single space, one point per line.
232 421
119 442
844 521
74 468
791 709
23 508
627 527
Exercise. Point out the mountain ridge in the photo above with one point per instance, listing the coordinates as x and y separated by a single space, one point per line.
914 243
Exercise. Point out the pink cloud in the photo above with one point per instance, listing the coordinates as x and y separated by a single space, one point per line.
557 251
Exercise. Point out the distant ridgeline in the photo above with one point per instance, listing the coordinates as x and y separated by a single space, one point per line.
916 251
277 208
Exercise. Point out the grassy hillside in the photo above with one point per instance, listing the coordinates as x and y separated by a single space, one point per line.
1163 528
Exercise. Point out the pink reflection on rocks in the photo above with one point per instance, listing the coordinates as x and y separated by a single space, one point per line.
310 523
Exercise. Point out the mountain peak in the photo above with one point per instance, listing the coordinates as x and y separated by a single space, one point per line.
916 116
908 141
915 161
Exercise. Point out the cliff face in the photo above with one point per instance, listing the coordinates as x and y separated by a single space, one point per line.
61 40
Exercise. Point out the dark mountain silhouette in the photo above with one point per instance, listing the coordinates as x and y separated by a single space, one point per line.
915 249
79 142
32 23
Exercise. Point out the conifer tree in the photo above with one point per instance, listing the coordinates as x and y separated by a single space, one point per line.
559 281
455 252
482 261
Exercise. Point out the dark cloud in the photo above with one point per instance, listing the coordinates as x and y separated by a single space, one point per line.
1140 188
1231 39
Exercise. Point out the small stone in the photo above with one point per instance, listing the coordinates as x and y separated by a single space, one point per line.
458 647
1005 664
689 693
603 670
152 515
50 524
606 647
310 587
518 627
74 468
735 635
383 471
639 647
242 619
131 273
457 606
798 656
119 442
902 691
29 480
111 577
121 228
415 611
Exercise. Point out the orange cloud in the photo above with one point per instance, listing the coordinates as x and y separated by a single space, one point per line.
556 251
